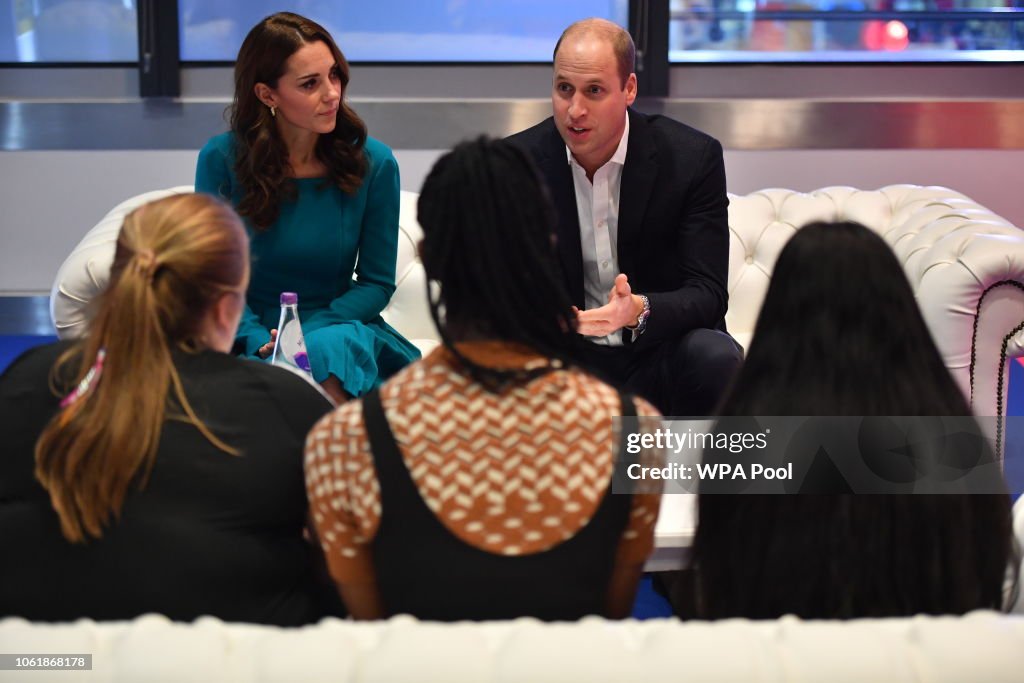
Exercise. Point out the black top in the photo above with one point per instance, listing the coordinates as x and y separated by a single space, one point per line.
211 533
424 570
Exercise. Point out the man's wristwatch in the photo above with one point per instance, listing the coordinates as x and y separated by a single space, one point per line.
641 320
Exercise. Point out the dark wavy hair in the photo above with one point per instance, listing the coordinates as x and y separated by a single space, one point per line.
262 159
489 247
841 334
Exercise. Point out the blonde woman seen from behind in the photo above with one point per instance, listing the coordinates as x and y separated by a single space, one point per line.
148 470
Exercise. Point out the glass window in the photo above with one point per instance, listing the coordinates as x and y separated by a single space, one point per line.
846 30
401 30
68 31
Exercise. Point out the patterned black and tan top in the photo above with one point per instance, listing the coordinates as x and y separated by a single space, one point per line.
512 473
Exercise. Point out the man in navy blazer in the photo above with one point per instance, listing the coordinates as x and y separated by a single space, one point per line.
643 234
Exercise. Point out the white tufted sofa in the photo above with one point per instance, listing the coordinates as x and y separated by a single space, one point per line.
981 646
966 266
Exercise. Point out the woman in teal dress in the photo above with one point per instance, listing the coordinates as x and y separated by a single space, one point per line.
320 200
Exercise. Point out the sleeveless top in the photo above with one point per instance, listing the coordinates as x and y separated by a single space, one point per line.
424 570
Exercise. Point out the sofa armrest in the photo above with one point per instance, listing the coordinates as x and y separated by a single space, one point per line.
966 266
86 270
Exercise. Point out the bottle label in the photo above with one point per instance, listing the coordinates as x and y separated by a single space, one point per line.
302 360
291 346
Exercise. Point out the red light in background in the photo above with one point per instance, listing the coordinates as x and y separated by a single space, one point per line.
891 36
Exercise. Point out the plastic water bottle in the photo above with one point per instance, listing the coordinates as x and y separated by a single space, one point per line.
290 349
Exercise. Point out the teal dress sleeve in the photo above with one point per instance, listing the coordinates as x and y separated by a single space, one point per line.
338 252
374 281
213 169
214 175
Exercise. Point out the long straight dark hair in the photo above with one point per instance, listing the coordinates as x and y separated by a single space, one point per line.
262 158
841 334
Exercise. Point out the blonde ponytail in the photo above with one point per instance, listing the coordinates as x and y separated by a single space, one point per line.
174 258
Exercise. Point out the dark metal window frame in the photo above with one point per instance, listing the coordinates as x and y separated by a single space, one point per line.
160 66
159 49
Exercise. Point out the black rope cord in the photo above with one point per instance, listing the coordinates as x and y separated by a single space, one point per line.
1002 360
999 388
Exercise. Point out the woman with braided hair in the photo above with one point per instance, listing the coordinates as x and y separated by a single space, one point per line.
476 484
145 468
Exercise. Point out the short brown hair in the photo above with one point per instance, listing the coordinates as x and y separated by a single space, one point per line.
615 35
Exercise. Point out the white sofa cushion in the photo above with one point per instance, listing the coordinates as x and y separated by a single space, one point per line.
982 646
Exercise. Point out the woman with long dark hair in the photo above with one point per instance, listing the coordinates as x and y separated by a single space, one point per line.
840 334
147 470
320 199
476 484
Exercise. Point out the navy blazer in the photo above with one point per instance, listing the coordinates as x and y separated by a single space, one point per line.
673 233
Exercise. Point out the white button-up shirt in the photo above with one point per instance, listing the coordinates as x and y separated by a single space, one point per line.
597 204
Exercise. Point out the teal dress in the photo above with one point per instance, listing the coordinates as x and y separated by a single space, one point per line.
337 252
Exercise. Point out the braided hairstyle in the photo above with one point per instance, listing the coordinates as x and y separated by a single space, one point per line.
489 251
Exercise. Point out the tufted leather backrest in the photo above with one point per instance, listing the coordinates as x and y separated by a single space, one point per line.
408 311
762 222
964 263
